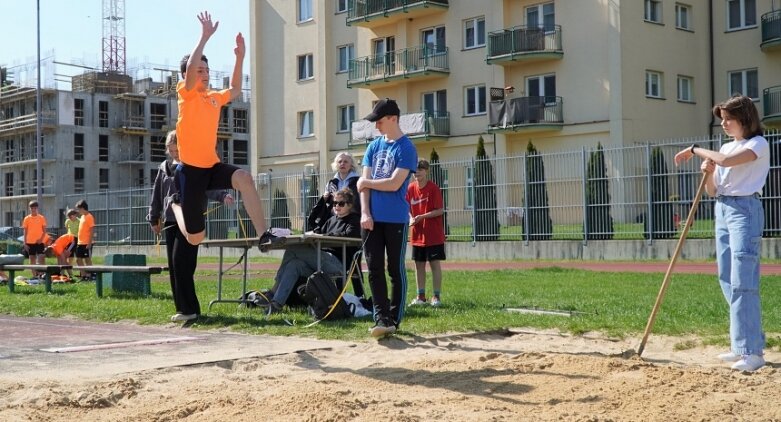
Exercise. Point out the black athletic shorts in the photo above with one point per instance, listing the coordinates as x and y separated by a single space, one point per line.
428 253
83 251
192 184
35 248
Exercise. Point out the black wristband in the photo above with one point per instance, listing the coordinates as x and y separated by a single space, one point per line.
691 149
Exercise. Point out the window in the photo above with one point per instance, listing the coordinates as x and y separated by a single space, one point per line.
306 67
741 14
541 89
157 148
240 152
383 52
744 82
475 100
158 115
474 32
683 16
22 187
103 179
78 179
103 148
224 125
140 178
239 121
9 151
304 10
78 146
341 6
346 118
305 121
685 84
541 16
433 40
102 113
78 112
653 84
653 11
140 148
435 102
346 54
9 184
224 151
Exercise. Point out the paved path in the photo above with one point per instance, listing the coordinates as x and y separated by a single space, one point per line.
613 266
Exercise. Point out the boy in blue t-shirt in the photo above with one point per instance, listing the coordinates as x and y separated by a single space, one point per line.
387 165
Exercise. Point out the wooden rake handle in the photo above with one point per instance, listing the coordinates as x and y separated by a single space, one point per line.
666 282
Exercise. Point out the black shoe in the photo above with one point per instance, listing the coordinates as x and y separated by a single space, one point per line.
265 240
382 328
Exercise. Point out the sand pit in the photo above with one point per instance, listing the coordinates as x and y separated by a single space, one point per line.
517 375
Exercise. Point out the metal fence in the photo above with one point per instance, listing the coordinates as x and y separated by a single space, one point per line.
633 192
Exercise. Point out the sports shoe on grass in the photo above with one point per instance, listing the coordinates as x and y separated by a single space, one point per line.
729 357
435 302
749 363
418 301
382 328
265 240
183 317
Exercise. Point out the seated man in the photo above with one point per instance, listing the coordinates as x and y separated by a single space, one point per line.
63 248
301 260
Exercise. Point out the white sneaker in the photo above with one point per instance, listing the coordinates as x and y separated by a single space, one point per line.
730 357
749 363
183 317
435 302
418 302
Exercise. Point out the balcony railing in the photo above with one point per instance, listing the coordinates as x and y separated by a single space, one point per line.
48 118
771 103
524 43
424 124
771 30
518 113
399 64
366 12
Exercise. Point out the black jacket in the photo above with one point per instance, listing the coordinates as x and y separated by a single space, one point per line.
347 226
323 209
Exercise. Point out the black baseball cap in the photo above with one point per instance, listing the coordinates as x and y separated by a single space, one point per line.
384 107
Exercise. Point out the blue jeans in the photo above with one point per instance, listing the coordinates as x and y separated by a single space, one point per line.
739 223
301 261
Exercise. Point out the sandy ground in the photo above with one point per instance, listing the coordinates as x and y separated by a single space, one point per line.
516 375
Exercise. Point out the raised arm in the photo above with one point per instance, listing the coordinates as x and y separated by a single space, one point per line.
237 72
207 30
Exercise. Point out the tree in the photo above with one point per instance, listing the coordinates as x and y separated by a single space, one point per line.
280 217
540 226
663 226
437 175
599 222
487 222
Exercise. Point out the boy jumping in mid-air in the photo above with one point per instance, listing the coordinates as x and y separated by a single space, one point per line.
196 128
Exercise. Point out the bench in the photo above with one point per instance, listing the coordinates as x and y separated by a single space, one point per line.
48 271
101 269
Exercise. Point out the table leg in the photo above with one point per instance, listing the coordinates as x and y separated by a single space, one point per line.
99 284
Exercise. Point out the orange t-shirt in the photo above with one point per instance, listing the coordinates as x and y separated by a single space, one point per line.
86 223
34 227
196 127
62 243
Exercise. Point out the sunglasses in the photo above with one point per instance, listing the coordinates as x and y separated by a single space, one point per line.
341 203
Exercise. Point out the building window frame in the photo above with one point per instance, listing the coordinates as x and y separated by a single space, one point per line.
346 116
103 148
78 112
306 127
240 118
305 12
344 55
341 6
78 147
78 179
654 83
746 14
474 32
745 82
103 178
652 11
102 113
240 152
683 16
685 89
475 103
306 63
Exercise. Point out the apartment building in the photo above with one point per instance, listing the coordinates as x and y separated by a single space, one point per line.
107 133
562 74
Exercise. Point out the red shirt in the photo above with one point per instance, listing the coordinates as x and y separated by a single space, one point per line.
429 231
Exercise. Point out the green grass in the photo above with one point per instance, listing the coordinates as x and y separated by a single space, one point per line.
617 304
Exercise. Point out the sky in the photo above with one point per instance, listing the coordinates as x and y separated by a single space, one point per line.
157 32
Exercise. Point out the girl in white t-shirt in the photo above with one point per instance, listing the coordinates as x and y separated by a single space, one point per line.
736 175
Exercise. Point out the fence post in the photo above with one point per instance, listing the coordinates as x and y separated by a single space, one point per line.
648 220
585 196
474 203
526 198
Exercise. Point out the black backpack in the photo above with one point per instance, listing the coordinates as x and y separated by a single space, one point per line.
320 294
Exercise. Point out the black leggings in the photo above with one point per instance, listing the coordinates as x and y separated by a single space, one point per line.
182 260
390 238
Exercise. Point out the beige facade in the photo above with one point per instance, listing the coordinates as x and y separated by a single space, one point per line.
582 71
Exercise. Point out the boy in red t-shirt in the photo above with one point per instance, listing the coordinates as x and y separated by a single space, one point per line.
428 232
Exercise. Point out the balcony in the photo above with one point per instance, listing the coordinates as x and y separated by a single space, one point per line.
133 125
426 125
395 67
771 31
771 106
522 44
374 13
21 124
526 114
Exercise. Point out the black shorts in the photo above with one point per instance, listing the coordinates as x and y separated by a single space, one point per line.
35 248
192 184
83 251
70 248
428 253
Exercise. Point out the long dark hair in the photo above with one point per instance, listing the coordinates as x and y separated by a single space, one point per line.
742 109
